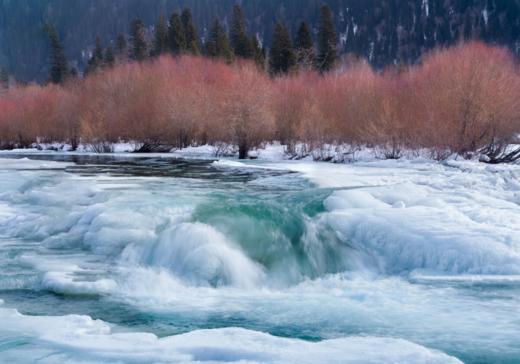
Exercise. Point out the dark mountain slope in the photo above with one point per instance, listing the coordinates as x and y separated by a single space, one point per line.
384 31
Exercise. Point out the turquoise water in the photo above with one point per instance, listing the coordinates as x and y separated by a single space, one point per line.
171 246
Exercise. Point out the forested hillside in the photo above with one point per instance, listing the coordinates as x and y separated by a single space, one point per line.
383 31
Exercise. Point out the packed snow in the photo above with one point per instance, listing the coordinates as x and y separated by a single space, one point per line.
80 339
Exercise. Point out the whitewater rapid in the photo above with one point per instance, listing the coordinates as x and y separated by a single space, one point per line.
396 261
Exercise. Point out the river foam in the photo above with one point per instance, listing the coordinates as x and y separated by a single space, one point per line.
200 255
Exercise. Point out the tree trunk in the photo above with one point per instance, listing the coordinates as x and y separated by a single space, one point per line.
74 143
243 149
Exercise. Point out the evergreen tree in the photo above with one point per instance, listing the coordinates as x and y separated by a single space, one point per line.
218 45
138 38
96 60
258 52
160 44
176 36
327 40
304 47
98 50
190 32
121 46
210 46
73 72
282 58
237 34
390 32
4 78
59 66
109 59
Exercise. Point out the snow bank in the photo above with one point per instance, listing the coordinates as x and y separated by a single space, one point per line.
460 217
77 339
30 164
201 152
269 152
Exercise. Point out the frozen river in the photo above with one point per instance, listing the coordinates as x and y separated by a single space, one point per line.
139 260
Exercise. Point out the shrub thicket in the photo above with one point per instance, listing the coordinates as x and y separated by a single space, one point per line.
460 100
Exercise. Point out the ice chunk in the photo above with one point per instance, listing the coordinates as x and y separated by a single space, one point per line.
81 339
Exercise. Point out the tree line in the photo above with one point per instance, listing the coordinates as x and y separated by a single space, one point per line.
179 36
385 32
462 100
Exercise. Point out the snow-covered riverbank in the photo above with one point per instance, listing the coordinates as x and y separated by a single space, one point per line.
268 152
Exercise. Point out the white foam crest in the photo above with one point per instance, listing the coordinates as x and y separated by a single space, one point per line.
67 282
466 278
70 274
433 315
81 339
6 212
199 254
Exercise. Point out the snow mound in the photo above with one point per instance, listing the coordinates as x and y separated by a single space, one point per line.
407 216
75 339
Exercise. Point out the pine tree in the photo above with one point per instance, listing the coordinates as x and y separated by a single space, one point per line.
4 78
109 59
59 66
210 46
282 58
176 37
304 47
237 34
190 32
160 44
258 52
98 50
96 60
327 40
73 73
138 38
218 45
121 46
